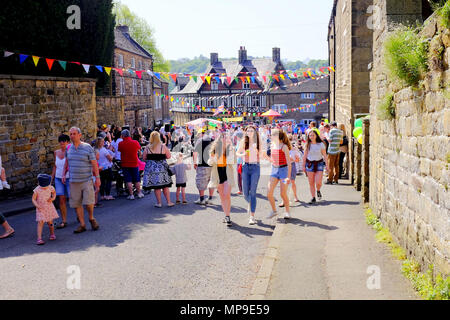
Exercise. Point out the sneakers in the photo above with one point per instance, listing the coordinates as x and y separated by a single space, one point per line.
252 220
329 182
130 197
272 214
227 220
200 202
313 201
319 195
140 195
287 215
158 205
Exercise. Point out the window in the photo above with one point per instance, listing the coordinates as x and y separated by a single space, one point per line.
142 87
120 60
214 86
148 88
122 86
133 63
240 101
140 65
245 85
256 102
134 87
308 95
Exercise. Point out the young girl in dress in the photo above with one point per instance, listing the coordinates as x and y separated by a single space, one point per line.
43 197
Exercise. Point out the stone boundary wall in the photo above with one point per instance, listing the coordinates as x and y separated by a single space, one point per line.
34 111
110 110
410 155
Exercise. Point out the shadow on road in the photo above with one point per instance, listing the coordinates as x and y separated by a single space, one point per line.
304 223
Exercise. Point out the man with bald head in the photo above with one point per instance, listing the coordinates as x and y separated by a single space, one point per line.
81 162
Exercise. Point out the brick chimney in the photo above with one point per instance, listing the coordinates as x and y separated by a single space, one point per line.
242 55
276 56
214 58
124 29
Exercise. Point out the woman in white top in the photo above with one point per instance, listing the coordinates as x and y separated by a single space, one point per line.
105 164
62 190
314 162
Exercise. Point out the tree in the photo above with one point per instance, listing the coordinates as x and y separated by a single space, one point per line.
142 32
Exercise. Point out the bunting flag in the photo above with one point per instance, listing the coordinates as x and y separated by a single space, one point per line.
158 75
107 70
139 74
35 60
86 67
100 68
120 71
174 77
208 79
8 54
63 64
23 57
50 63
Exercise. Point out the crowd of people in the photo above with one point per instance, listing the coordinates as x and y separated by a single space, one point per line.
142 161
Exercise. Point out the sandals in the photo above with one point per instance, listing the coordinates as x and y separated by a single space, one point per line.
94 224
185 202
158 205
52 237
7 234
62 225
171 205
40 242
80 229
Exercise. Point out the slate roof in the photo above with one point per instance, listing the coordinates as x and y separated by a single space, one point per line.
311 86
125 42
262 66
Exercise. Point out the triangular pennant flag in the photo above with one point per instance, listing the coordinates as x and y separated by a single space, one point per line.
139 74
108 70
253 79
203 78
208 78
281 76
35 60
8 54
264 78
248 79
195 78
158 75
74 62
242 79
276 77
120 71
217 79
63 64
86 67
100 68
50 63
174 77
229 80
236 79
23 57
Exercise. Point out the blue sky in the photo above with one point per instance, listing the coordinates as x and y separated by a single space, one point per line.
188 28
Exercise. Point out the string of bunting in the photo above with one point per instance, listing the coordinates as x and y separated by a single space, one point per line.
221 109
245 77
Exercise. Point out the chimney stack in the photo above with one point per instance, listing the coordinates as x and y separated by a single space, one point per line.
276 56
242 55
214 58
124 29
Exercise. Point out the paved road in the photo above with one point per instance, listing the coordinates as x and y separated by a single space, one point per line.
329 252
140 252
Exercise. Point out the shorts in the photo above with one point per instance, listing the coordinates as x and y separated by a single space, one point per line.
279 173
131 175
61 188
181 185
81 193
202 178
320 167
222 174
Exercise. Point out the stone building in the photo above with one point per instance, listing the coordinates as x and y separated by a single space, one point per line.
303 95
249 95
138 92
409 153
350 51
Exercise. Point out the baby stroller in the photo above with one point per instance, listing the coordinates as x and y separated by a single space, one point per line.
118 178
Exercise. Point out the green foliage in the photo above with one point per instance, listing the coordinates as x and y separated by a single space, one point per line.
143 33
386 107
406 55
190 66
429 288
444 13
40 28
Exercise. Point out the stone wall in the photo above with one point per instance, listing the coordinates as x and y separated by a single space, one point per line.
34 111
110 110
410 154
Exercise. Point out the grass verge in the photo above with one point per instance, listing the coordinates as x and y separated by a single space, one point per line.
428 287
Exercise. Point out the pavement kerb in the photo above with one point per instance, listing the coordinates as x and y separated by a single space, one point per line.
261 284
